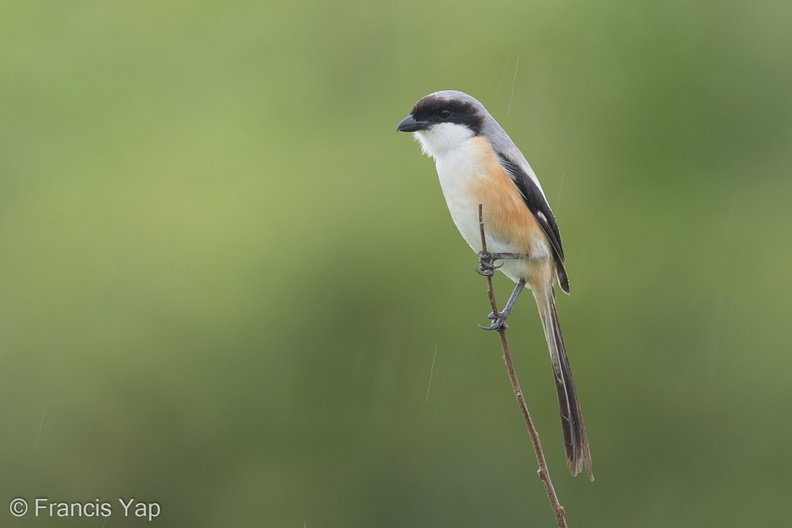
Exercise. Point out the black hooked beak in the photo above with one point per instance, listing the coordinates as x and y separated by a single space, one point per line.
410 124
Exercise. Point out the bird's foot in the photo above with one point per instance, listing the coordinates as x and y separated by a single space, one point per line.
487 264
498 322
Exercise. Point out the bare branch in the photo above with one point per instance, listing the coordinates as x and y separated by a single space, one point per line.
543 472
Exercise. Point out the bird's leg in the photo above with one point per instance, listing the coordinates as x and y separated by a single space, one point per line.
503 256
499 321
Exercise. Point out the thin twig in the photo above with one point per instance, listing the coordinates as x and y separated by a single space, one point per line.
544 473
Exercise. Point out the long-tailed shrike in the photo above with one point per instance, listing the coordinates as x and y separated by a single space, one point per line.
478 163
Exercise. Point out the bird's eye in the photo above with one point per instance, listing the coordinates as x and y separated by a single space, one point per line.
444 114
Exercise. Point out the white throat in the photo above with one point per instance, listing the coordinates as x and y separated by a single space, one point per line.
441 138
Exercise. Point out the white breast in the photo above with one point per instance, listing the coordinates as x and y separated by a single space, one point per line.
458 164
457 171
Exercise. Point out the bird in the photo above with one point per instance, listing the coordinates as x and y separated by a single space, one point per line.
478 165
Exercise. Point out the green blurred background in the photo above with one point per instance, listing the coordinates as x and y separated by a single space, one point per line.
226 281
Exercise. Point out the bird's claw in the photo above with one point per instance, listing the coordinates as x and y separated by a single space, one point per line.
487 265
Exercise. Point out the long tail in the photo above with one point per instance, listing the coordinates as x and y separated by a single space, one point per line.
575 441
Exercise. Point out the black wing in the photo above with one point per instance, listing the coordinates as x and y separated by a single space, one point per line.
537 204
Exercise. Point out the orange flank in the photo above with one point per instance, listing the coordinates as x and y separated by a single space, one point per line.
506 216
